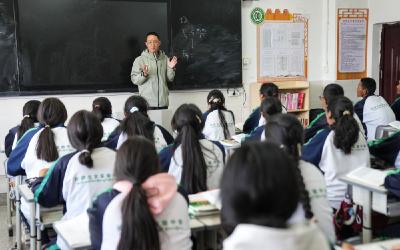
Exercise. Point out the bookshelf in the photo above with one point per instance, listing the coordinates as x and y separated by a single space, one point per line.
288 88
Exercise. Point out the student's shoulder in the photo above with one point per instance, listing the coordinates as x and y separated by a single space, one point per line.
105 197
320 136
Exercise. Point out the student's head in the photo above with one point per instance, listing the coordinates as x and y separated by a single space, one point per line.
268 89
188 122
101 107
152 42
136 103
339 116
136 161
51 113
29 112
330 92
366 87
216 101
136 121
286 131
270 106
85 133
257 187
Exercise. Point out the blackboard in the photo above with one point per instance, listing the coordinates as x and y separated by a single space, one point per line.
75 46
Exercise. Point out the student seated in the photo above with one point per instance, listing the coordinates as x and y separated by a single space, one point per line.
396 104
339 149
219 122
286 131
137 122
259 193
75 179
269 107
102 108
372 110
255 120
195 162
330 92
387 149
29 120
143 209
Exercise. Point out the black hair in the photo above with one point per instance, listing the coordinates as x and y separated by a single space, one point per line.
102 108
270 106
29 111
269 89
216 100
257 187
136 121
346 127
85 133
369 84
188 121
136 161
332 91
286 131
152 33
51 112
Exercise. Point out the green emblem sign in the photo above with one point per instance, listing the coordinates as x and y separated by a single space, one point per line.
257 15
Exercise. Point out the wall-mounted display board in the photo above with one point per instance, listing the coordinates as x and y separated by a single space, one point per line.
282 49
352 36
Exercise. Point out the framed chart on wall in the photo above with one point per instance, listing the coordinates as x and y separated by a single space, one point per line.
352 37
282 49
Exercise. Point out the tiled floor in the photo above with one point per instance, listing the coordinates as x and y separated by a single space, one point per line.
5 241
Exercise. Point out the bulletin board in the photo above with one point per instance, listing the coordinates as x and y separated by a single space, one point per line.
352 37
282 50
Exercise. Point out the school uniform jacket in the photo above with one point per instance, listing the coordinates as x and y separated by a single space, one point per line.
74 185
252 121
387 149
213 129
322 152
105 221
256 135
304 236
23 159
373 111
161 138
214 156
109 125
392 183
9 140
396 108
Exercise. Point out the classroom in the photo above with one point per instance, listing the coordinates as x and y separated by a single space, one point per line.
206 93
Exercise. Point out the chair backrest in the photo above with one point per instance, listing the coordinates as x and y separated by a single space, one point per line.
383 131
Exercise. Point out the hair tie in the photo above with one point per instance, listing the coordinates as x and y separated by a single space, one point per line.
214 100
198 118
97 106
346 112
85 151
47 126
27 116
133 109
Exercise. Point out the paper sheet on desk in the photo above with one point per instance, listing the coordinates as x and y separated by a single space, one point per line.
75 231
211 196
369 176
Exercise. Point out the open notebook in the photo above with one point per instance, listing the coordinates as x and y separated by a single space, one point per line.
370 176
204 203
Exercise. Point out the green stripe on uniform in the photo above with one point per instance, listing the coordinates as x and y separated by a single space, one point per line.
46 178
316 119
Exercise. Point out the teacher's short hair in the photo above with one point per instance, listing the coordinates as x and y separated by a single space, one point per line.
152 33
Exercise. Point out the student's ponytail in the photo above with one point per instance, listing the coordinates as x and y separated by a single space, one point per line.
51 113
345 126
139 228
216 101
187 121
85 133
136 161
286 131
29 112
136 123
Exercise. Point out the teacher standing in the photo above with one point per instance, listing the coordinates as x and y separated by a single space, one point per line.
151 71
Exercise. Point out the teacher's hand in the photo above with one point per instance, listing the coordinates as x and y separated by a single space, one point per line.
145 70
172 62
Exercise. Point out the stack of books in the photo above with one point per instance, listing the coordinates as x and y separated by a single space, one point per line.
292 101
204 203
